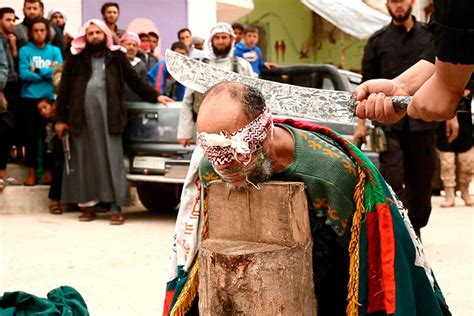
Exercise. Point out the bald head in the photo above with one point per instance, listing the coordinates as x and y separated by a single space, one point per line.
229 106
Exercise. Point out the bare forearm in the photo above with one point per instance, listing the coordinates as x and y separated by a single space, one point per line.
414 77
453 76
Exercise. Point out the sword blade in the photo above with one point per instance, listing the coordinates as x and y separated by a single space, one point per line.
283 99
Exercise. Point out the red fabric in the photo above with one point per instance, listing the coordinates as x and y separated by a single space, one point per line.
387 255
168 300
159 79
374 266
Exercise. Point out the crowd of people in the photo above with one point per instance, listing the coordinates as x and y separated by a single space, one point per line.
53 87
60 94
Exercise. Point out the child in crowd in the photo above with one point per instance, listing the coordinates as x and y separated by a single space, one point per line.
249 50
54 155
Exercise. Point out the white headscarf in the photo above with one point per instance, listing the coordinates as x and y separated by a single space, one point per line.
79 43
57 10
221 27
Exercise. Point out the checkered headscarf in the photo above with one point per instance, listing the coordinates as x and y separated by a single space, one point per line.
224 148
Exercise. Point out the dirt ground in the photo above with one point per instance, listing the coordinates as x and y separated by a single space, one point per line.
121 271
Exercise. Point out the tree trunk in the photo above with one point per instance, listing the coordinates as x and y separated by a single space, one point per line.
257 259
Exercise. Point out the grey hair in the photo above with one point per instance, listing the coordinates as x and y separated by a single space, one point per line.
251 98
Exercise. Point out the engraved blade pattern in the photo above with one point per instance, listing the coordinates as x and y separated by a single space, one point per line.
283 99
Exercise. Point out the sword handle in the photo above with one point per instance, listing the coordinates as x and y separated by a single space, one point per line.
400 103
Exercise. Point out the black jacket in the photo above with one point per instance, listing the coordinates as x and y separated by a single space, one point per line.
453 30
389 52
72 90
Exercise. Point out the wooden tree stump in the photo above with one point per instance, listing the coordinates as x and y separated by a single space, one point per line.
257 259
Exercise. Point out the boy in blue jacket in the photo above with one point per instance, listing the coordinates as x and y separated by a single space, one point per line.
249 50
37 61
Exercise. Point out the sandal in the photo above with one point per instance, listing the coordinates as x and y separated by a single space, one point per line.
86 215
55 207
116 219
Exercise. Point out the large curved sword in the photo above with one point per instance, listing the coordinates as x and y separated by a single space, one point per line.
283 99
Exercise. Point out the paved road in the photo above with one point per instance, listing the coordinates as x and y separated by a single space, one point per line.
121 270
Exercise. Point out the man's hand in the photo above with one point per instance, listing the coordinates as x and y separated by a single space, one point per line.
185 142
269 65
374 103
60 128
360 134
3 100
438 98
164 99
11 38
452 129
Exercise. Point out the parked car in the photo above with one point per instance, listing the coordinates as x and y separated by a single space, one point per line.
158 163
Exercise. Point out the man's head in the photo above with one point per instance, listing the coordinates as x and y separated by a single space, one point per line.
39 31
33 9
251 36
7 20
234 126
400 10
221 39
131 42
145 41
110 12
57 17
198 42
185 36
95 38
238 30
179 47
154 40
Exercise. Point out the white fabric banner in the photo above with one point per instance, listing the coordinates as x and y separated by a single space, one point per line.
351 16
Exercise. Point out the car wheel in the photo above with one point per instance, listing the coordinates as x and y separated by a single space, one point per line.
158 197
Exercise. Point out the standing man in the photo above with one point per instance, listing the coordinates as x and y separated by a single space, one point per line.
154 41
8 77
409 161
131 42
249 50
90 106
221 47
185 36
145 52
110 13
32 10
238 30
58 19
38 60
13 86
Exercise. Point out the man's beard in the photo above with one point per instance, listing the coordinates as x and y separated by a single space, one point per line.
400 19
257 171
221 52
96 49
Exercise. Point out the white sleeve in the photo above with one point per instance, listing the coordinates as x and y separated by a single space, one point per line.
246 68
186 123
